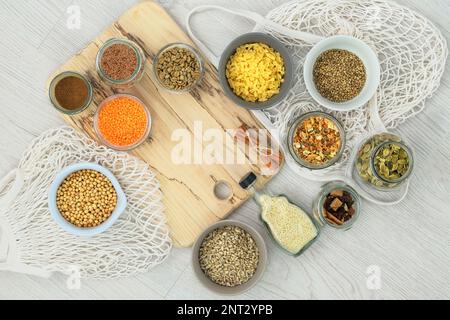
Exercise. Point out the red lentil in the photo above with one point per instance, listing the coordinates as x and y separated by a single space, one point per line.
122 121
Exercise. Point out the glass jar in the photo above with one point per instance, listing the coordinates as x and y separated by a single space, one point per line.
57 105
189 48
265 199
318 204
135 76
107 143
292 131
365 163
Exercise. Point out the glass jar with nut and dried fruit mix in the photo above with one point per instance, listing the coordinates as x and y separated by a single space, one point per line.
316 140
384 161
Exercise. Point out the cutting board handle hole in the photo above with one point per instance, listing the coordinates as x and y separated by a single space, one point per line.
223 190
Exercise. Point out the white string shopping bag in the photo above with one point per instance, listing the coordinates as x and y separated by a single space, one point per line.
32 243
412 54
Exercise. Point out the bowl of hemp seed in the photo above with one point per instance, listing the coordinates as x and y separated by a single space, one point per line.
229 257
341 73
86 199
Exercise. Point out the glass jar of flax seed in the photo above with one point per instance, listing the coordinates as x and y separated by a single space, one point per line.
120 63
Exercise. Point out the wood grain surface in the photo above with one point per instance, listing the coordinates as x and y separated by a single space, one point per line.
190 202
408 242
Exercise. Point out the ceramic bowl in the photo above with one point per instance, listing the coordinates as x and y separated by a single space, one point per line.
271 42
240 288
66 225
359 48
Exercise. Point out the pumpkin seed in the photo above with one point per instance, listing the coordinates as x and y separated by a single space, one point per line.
391 162
387 161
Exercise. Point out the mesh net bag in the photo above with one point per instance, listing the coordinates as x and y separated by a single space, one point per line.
412 53
411 50
33 243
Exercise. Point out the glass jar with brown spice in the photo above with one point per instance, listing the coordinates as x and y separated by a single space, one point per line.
70 92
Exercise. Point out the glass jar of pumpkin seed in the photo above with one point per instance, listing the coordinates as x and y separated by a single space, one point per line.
384 161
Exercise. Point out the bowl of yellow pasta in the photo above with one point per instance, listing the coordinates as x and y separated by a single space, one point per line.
256 71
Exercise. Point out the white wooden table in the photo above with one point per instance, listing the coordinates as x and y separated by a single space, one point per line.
409 242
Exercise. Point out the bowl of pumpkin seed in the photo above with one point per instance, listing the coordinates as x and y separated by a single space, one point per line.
229 257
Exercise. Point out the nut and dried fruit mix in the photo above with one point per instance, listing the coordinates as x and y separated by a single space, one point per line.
338 207
317 140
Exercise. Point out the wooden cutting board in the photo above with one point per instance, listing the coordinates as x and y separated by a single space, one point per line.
190 202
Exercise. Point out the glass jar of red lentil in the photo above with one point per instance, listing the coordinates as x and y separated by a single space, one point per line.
120 63
122 122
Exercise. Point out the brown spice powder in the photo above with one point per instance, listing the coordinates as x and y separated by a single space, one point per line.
119 62
71 92
339 75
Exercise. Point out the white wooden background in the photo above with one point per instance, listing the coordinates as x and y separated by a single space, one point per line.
409 242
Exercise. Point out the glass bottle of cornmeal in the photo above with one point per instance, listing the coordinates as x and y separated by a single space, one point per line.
289 225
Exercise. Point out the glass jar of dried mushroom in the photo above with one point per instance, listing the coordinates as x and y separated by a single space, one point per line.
337 205
316 140
178 67
384 161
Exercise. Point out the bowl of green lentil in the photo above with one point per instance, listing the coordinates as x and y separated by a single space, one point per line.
229 257
178 67
341 73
